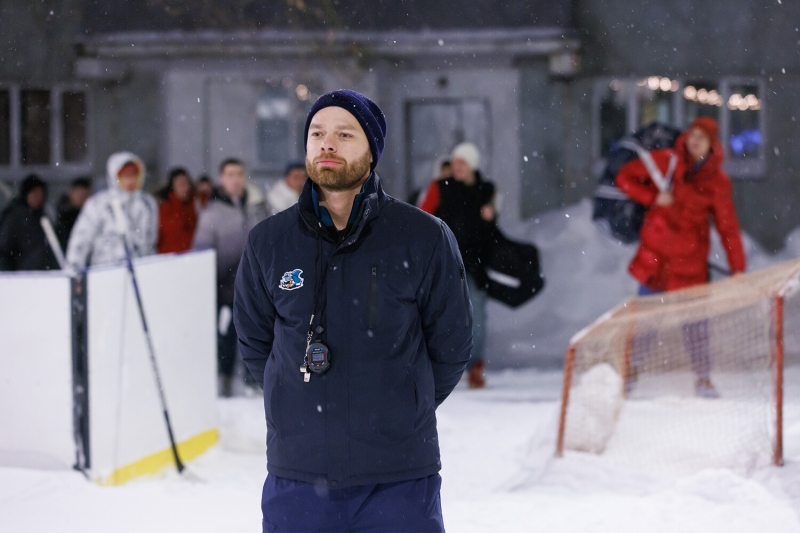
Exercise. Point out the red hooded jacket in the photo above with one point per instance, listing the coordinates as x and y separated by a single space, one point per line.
673 253
176 224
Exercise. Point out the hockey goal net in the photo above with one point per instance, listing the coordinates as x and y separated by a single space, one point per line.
688 379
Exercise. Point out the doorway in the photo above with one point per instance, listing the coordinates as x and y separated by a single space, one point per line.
434 126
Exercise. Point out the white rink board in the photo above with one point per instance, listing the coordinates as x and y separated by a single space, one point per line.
125 416
36 371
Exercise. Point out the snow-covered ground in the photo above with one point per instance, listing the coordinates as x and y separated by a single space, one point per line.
497 444
499 475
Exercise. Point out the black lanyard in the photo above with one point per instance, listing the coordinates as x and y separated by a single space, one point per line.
317 355
319 286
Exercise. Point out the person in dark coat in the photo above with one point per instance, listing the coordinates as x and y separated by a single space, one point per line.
177 216
234 209
675 235
353 314
69 207
465 201
23 245
204 190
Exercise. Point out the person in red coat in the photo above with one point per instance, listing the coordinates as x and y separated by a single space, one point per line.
675 234
673 253
177 214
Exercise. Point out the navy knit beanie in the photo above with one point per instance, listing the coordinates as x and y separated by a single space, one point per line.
367 112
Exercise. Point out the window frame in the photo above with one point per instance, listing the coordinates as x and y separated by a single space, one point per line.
58 167
295 119
738 169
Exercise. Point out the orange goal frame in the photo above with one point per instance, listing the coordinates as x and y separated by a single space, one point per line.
778 354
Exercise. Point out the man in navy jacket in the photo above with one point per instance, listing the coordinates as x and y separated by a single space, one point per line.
353 314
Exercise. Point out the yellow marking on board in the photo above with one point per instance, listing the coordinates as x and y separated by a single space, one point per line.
154 463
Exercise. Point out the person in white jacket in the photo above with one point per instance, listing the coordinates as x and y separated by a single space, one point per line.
97 236
284 194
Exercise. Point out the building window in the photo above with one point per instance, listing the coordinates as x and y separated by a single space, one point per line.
701 99
744 131
621 106
613 115
655 100
5 127
280 120
73 117
35 127
43 128
272 129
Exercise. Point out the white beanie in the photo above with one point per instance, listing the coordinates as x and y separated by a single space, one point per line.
469 153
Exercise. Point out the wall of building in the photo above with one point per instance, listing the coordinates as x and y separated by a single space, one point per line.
150 105
37 51
37 40
127 115
715 38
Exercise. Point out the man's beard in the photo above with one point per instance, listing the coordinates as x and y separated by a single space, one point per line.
342 178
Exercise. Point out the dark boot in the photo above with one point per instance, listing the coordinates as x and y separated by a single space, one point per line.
476 379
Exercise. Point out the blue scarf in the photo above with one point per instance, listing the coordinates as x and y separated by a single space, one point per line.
325 217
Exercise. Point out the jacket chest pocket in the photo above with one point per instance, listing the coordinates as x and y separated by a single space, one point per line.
386 299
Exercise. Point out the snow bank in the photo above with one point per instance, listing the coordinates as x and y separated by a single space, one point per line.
594 406
586 274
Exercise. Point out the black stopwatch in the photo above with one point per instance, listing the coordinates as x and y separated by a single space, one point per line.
318 357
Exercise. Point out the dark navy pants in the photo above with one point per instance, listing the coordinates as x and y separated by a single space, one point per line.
405 506
226 349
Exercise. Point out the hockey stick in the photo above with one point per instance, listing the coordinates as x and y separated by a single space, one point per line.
52 240
122 228
716 268
79 384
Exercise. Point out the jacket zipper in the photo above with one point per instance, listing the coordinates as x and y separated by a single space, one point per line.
373 294
464 296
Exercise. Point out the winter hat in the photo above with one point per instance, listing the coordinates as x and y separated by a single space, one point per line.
469 153
31 182
292 165
118 160
367 113
708 126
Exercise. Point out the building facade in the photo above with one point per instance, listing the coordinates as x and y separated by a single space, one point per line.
542 88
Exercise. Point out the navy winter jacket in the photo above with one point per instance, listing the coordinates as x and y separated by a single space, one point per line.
397 321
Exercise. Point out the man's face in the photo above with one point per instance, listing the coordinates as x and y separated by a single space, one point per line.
232 180
181 187
204 188
446 170
337 151
698 144
461 170
128 177
35 198
296 178
78 196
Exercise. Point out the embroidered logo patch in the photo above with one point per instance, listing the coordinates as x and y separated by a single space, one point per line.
292 280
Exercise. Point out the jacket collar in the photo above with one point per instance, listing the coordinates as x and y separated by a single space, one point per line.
366 206
220 195
709 168
172 198
478 180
